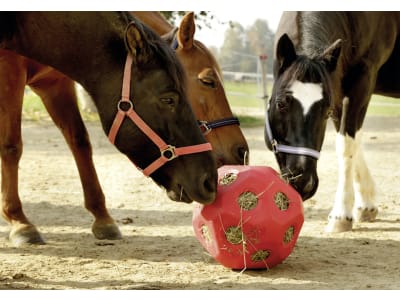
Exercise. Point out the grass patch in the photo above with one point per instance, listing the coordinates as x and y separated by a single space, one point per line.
250 121
241 96
249 95
33 108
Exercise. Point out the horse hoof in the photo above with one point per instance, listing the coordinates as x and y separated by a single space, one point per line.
365 214
336 225
25 235
106 231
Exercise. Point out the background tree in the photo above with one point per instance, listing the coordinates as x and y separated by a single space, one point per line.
260 40
234 45
242 47
203 18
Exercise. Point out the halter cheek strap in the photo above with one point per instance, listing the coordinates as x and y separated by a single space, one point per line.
167 152
276 147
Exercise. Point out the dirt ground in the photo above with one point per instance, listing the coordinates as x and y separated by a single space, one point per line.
159 250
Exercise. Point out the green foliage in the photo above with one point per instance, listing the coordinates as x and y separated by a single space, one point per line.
203 18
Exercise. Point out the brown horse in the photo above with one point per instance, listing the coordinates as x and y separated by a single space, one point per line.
206 91
92 49
205 88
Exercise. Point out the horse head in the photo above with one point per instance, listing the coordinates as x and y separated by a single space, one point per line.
298 110
158 95
207 95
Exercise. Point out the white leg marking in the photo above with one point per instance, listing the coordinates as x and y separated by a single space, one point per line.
340 218
307 93
364 187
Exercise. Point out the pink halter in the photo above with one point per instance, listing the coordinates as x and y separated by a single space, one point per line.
168 152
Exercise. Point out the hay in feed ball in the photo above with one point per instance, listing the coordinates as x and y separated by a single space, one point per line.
255 220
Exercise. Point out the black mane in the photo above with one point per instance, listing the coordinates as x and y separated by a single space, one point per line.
165 55
7 25
318 30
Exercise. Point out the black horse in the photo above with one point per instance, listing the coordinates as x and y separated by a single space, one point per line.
153 123
328 64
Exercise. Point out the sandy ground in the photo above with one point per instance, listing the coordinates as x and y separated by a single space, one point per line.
159 250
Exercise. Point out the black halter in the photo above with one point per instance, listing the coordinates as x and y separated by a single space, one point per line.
206 126
276 147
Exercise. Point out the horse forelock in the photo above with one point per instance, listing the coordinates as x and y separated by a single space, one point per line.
167 58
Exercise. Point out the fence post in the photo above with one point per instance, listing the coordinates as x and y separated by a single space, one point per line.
263 62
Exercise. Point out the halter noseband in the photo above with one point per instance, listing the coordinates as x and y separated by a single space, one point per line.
276 147
168 152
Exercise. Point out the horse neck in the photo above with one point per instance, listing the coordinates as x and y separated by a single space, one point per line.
154 20
90 50
77 44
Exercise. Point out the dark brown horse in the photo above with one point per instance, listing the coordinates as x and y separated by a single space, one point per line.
93 49
205 88
328 64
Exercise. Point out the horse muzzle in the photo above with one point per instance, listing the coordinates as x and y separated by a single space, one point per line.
205 191
300 172
304 182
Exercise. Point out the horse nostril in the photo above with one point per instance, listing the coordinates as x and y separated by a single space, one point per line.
209 187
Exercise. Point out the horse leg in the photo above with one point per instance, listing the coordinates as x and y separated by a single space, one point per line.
355 182
11 95
340 218
364 187
59 98
356 191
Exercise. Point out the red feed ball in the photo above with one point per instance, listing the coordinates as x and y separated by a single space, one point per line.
255 220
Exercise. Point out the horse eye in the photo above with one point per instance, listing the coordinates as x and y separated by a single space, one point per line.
168 101
282 106
208 82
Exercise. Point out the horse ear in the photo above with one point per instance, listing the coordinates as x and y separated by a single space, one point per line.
186 31
136 42
285 53
331 55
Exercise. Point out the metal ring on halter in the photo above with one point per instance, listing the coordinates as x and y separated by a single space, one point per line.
125 101
169 152
205 129
274 146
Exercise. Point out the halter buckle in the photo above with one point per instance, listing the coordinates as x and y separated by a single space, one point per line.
274 146
169 153
204 128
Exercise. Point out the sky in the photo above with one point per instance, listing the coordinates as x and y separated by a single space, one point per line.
214 36
244 12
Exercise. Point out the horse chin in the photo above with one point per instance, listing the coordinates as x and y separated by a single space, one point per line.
306 187
179 197
186 187
303 180
184 197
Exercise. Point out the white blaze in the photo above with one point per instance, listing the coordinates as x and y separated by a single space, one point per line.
307 93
